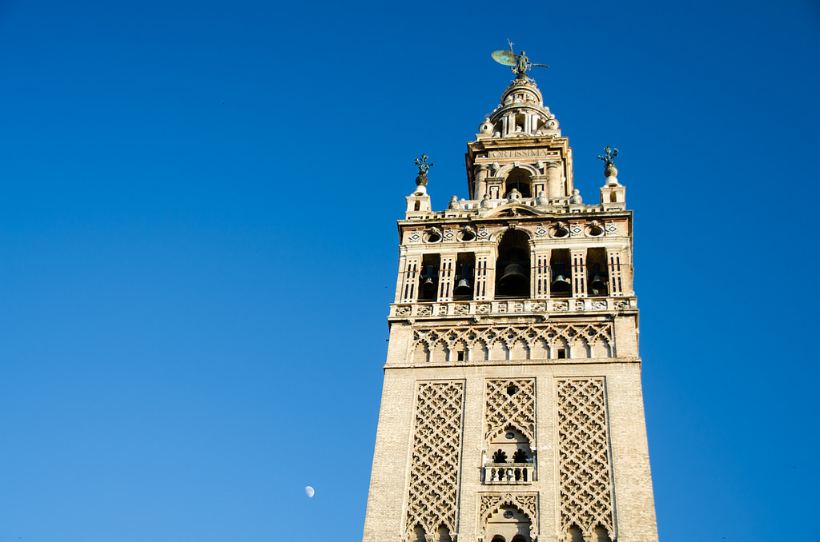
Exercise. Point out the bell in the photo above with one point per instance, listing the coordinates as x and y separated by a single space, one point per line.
597 284
561 284
513 272
463 287
428 275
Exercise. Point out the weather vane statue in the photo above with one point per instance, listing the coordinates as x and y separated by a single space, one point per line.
424 166
519 62
608 159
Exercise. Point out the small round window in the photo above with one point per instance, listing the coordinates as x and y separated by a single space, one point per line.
432 236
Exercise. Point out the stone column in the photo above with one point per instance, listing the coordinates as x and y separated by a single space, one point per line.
480 181
482 264
541 274
613 258
445 278
579 272
555 187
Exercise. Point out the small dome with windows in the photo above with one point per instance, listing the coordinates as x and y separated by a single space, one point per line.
521 113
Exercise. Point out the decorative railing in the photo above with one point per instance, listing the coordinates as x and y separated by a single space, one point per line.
432 309
508 473
465 208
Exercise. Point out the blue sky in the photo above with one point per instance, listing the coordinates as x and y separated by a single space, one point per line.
198 247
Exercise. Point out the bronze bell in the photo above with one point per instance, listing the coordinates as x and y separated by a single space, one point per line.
428 275
597 284
513 272
561 284
463 287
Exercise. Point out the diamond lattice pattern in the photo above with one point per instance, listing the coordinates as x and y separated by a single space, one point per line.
504 410
586 489
432 499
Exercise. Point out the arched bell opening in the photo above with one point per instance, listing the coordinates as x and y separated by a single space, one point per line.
521 180
418 534
513 266
428 281
465 266
561 285
597 275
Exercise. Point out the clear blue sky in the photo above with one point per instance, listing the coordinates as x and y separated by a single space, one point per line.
198 248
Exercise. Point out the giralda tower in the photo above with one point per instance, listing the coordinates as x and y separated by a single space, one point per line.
512 408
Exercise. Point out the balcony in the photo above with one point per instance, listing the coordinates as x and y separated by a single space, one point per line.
508 473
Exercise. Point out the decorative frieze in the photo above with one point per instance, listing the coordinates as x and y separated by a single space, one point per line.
504 307
479 343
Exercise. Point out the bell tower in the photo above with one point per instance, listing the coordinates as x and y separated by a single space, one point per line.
512 408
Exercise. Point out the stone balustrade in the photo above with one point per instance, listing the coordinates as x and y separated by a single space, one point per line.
468 208
522 307
508 473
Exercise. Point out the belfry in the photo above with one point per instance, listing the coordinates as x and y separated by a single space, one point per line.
512 408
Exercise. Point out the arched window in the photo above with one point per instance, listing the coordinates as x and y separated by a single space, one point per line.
521 180
444 534
428 280
418 534
597 276
519 538
498 538
601 535
561 285
500 456
513 266
575 534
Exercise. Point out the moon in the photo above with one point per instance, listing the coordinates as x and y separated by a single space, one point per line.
310 492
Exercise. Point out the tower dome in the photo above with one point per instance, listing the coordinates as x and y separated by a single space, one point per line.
521 113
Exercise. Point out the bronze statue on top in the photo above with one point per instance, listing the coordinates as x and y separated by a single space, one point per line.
608 159
520 63
424 166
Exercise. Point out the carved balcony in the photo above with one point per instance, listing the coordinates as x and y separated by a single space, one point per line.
508 473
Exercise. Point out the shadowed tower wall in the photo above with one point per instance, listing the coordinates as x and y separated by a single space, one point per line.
512 407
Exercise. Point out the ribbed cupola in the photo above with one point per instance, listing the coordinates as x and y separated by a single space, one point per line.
521 113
